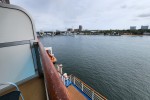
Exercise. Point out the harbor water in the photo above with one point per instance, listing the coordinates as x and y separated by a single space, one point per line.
118 67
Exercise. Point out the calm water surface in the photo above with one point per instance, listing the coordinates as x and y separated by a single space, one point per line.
116 66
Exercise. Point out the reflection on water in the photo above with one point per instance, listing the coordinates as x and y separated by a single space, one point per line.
116 66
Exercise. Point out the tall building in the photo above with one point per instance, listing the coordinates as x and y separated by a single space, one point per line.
132 27
80 27
144 27
70 29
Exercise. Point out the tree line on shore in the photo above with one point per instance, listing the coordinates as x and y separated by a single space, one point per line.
122 32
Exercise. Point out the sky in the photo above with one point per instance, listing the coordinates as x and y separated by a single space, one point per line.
91 14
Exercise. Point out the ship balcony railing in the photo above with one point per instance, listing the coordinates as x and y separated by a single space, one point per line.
48 69
90 92
94 95
55 89
87 90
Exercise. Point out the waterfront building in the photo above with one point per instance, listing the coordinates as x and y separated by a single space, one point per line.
76 30
132 27
144 27
146 33
80 27
70 29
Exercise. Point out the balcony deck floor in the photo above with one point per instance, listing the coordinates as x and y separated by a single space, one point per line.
75 94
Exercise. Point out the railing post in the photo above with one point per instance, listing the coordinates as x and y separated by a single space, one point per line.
67 82
70 78
60 70
82 86
74 80
64 80
57 68
92 95
38 60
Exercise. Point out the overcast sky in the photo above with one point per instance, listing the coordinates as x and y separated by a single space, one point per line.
91 14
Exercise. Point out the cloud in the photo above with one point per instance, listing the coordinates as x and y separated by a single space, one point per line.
91 14
144 15
124 6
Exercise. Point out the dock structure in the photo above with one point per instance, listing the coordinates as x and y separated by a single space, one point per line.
42 33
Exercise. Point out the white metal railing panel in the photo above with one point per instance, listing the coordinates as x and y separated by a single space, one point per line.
96 97
91 93
78 84
87 91
16 63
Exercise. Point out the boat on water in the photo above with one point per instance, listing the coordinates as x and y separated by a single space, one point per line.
114 34
41 33
27 71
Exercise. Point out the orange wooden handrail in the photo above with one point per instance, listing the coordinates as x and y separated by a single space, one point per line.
55 87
